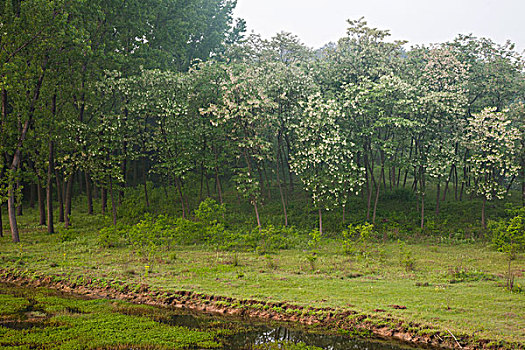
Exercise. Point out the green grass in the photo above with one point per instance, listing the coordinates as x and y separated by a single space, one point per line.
59 323
453 287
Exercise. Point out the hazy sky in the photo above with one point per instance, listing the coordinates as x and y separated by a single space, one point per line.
317 22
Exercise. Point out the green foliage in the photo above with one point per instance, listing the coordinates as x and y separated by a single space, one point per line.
210 212
72 324
508 236
406 257
357 239
110 236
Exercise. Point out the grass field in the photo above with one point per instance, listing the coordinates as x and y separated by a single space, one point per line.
455 287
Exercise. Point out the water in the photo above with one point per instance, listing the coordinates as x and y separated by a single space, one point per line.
245 334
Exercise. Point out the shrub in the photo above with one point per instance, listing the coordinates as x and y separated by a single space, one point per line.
508 236
357 238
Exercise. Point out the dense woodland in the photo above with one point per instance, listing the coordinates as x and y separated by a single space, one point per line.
113 102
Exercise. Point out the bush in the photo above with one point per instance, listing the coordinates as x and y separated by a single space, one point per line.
109 237
508 236
357 238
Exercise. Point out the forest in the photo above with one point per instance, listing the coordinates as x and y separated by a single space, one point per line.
162 128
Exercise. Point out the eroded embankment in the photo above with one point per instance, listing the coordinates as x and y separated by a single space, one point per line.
385 326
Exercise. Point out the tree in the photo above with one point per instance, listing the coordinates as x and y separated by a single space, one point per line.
492 141
244 112
323 158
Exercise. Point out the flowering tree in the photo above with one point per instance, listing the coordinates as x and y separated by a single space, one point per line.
440 109
492 141
323 158
243 111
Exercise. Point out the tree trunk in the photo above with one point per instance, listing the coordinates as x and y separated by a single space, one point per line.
455 183
113 204
89 193
11 211
283 202
69 188
217 180
201 182
19 208
375 202
448 181
368 194
32 194
123 169
257 215
483 218
181 197
369 176
422 189
145 182
60 195
104 200
422 210
438 195
49 187
320 221
41 204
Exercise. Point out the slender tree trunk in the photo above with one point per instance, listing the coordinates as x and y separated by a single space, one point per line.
438 195
41 204
145 182
60 192
208 185
124 170
217 180
202 182
19 208
283 166
69 188
422 210
510 184
113 204
423 189
257 214
320 221
49 187
248 164
448 181
368 186
89 193
383 176
483 218
104 200
455 183
11 211
286 158
181 197
375 202
283 202
368 193
32 194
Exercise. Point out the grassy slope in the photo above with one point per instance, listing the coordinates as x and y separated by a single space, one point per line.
476 307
